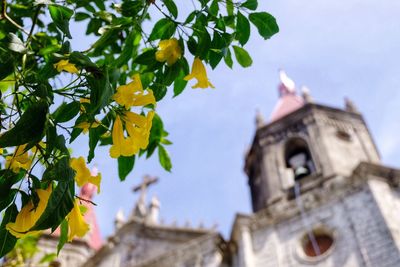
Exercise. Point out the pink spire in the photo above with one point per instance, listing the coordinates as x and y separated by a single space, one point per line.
288 101
93 237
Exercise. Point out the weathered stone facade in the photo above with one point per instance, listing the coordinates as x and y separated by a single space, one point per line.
348 208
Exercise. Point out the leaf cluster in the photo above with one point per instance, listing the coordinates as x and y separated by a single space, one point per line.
43 106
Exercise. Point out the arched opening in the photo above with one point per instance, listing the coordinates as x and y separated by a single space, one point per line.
298 158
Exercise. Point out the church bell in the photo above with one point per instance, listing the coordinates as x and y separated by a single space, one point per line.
300 172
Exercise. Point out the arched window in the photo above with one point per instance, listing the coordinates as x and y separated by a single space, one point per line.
298 158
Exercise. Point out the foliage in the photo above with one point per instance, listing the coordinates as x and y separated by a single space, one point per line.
52 93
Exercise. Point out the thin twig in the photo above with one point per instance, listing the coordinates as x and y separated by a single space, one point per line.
34 21
85 200
5 16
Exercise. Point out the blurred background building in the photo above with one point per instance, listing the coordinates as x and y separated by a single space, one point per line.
320 196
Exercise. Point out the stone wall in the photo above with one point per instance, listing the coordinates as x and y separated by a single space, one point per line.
361 229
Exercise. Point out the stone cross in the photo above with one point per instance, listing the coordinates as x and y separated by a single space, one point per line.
142 188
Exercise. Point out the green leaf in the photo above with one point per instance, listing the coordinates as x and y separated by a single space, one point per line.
83 61
204 42
94 137
171 73
79 16
128 52
156 130
61 171
159 90
164 158
166 142
44 90
51 135
214 58
163 29
100 90
242 29
213 9
63 236
61 16
66 112
29 128
77 131
191 17
146 58
9 61
220 24
229 7
7 240
242 56
125 166
265 23
228 58
7 179
180 83
49 49
7 198
60 203
250 4
192 45
107 38
171 7
131 8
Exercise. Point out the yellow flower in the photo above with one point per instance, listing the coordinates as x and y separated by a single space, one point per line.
28 216
20 160
120 146
41 144
76 223
1 150
199 73
138 128
132 94
82 101
170 51
65 65
85 126
83 174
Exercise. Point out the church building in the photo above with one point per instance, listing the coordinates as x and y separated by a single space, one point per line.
319 193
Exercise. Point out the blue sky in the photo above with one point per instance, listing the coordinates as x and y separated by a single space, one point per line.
335 48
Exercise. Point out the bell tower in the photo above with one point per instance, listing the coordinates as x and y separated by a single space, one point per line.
305 143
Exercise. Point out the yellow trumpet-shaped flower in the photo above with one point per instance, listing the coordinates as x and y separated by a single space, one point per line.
170 51
139 128
83 174
200 74
76 222
120 146
20 160
29 215
132 94
85 126
65 65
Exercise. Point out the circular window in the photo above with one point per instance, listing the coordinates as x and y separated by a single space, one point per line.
316 245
